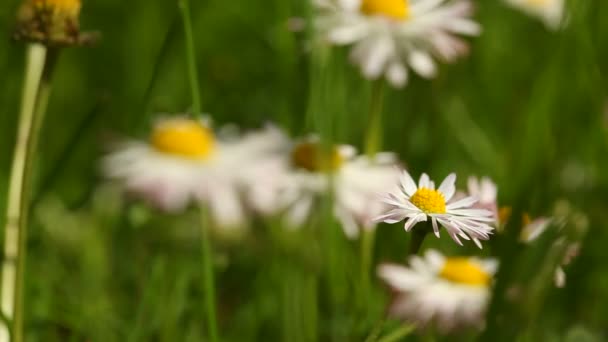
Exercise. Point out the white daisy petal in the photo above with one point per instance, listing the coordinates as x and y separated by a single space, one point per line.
408 184
448 187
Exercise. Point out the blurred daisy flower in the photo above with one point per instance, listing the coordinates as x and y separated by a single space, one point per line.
184 161
310 172
51 22
388 36
551 12
485 191
532 231
450 292
418 203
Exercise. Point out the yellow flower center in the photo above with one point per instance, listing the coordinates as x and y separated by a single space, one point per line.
538 3
393 9
184 138
430 201
464 271
310 156
69 7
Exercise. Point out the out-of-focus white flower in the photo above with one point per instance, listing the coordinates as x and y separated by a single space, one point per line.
485 190
551 12
184 161
418 203
310 173
390 36
450 292
532 230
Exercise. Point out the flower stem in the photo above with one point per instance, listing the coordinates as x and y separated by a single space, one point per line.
417 239
398 334
373 140
184 6
368 237
36 90
208 278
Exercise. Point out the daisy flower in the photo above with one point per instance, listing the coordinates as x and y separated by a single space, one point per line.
486 191
533 229
449 292
418 203
390 36
309 173
551 12
184 161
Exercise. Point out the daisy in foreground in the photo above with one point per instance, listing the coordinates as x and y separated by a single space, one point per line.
551 12
390 35
419 203
184 161
310 173
450 292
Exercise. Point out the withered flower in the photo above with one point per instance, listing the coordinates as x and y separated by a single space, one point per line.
52 23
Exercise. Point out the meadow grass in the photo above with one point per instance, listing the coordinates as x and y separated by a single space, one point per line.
527 107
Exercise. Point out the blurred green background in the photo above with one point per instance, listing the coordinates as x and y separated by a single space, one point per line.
528 107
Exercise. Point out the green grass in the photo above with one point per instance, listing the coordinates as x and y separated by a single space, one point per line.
527 107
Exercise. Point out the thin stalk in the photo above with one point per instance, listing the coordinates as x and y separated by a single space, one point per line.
208 278
417 239
368 238
373 139
398 334
184 6
36 90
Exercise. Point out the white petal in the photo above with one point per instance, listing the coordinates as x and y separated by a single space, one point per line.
465 202
422 63
447 187
424 181
408 184
396 74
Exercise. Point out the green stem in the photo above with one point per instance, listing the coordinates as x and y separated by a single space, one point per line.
417 239
367 249
36 91
208 278
184 6
398 334
373 140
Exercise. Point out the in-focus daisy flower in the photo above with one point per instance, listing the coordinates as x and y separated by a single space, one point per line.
418 203
388 36
184 161
551 12
310 172
51 22
449 292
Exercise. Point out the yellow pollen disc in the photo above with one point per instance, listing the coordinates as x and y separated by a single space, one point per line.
64 6
184 138
430 201
309 156
393 9
464 271
538 3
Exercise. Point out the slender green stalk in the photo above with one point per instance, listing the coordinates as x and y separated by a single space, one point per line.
373 140
36 90
184 6
368 238
398 334
417 239
208 277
